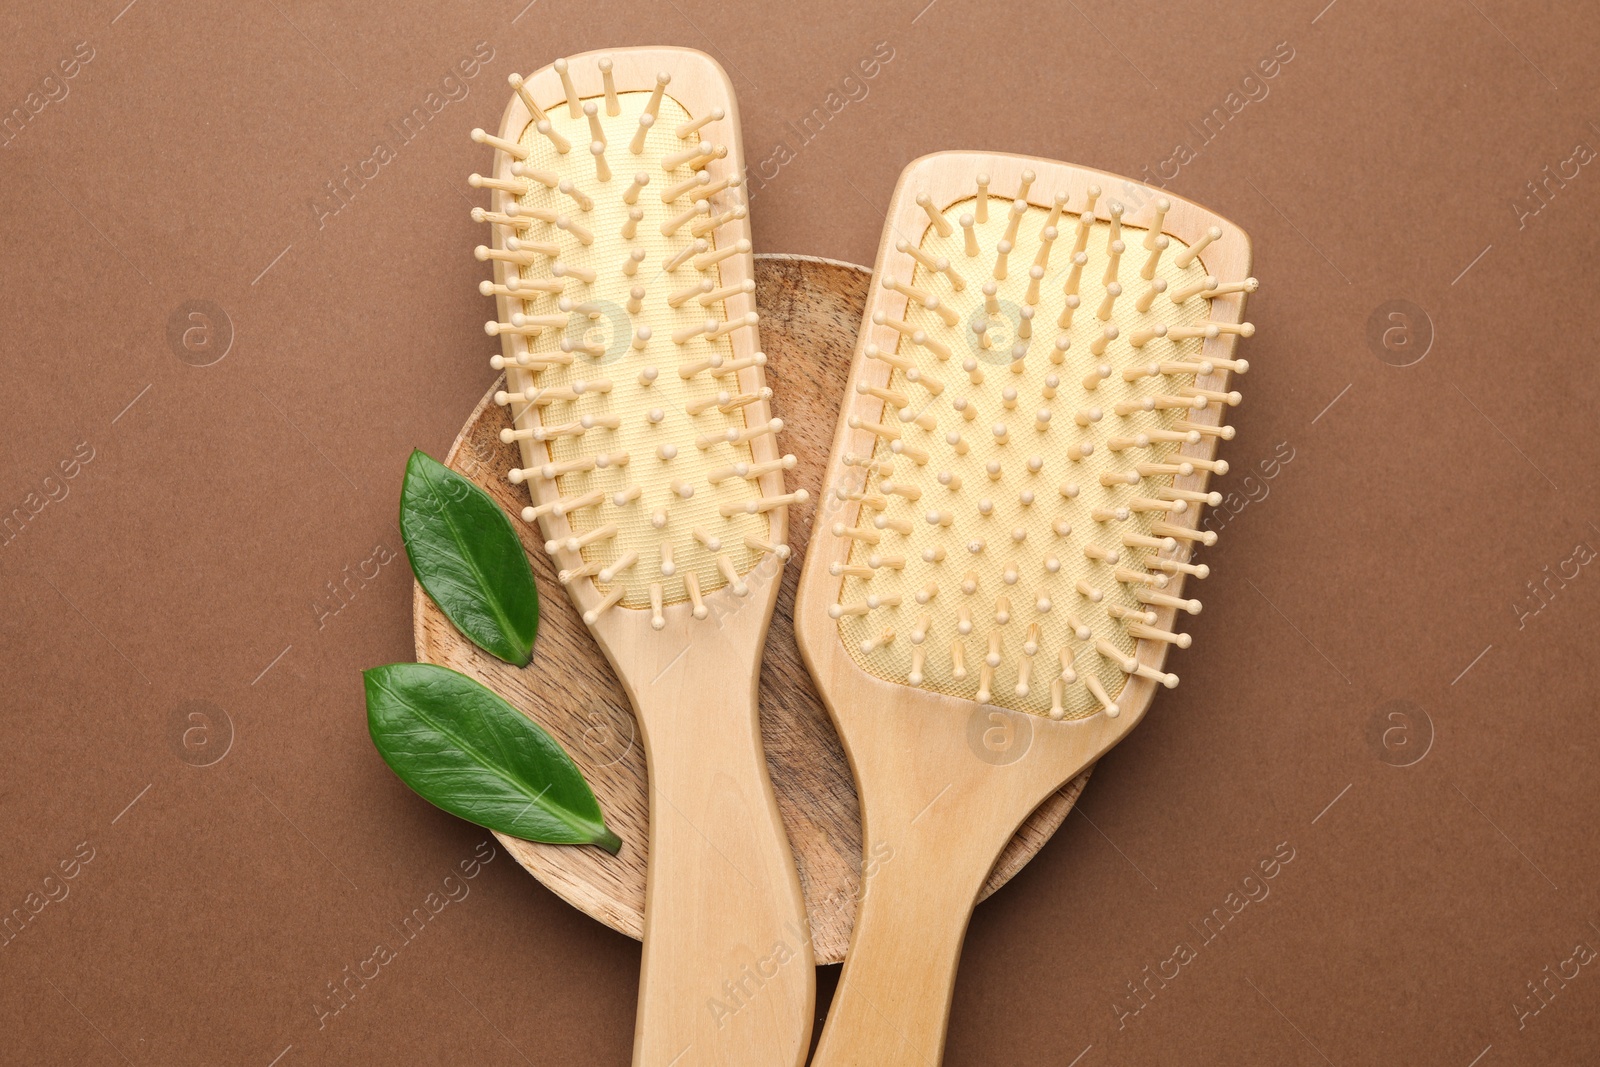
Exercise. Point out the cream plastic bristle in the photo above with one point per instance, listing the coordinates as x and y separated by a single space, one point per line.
694 126
1019 208
1249 285
516 82
546 127
1023 185
1153 234
1189 254
510 148
1196 288
574 102
478 181
591 111
934 216
1146 298
970 490
1153 260
703 226
572 237
680 159
641 133
1058 204
613 105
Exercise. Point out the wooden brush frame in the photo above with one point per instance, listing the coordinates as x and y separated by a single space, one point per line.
722 890
947 177
929 799
700 86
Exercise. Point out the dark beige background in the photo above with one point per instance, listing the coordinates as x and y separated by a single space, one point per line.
1442 859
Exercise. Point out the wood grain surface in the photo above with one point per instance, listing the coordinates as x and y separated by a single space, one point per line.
938 807
811 309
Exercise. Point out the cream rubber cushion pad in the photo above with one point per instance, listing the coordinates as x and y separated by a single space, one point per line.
654 427
1026 501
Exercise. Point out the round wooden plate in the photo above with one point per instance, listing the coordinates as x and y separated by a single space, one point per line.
810 310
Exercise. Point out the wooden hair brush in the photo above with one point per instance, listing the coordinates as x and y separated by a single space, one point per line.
624 283
1011 502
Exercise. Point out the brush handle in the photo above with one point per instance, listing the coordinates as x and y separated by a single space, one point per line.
893 1000
942 788
728 976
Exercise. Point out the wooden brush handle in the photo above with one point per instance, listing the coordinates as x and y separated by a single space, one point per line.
728 976
943 788
893 1000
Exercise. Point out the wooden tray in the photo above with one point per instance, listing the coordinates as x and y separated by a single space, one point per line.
810 311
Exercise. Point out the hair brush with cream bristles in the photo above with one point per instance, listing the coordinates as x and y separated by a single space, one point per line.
1005 533
624 283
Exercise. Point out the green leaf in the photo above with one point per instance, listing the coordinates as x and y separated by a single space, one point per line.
466 555
464 749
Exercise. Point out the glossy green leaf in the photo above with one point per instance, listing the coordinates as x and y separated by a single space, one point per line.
464 749
468 559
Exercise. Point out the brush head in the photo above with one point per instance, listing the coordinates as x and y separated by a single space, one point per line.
1021 463
634 379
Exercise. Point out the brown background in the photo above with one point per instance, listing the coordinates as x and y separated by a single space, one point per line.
1384 562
